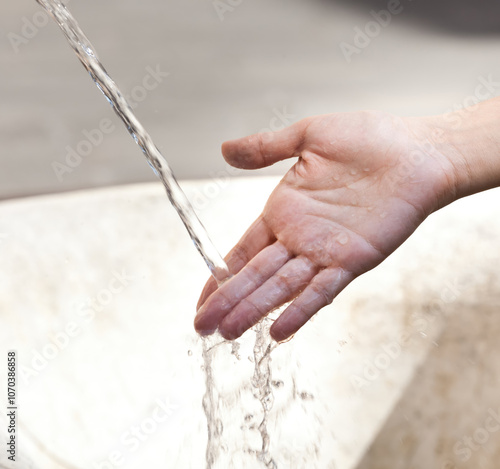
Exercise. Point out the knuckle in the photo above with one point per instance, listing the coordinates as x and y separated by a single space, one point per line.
284 283
322 292
239 256
253 274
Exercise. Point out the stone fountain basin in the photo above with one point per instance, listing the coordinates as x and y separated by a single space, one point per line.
97 296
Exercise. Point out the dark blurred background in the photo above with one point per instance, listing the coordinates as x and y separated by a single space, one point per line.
461 17
233 69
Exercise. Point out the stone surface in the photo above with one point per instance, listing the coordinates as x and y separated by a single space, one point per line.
400 366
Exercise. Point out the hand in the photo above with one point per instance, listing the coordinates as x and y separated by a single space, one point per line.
362 184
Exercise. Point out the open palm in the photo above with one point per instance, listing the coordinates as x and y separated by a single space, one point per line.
362 184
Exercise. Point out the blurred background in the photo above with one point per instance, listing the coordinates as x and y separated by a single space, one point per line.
199 72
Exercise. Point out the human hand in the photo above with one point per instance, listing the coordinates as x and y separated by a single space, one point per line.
362 184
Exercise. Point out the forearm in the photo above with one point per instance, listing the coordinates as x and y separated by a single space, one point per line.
470 138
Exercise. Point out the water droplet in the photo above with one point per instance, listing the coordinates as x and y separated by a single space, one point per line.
353 172
423 334
190 353
343 238
336 177
366 170
235 348
88 50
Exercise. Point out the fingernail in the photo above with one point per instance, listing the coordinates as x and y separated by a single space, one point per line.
228 335
201 328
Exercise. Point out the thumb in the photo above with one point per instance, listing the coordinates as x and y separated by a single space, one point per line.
264 149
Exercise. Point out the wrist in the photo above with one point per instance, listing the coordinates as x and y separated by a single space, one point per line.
470 140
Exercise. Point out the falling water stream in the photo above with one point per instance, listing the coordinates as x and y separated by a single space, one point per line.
261 381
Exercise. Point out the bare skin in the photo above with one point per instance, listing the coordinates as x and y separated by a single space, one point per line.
362 184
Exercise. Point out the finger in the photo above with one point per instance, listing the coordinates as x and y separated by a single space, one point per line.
265 149
283 286
252 276
319 293
256 238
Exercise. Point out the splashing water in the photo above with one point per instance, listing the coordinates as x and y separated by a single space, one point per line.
261 381
260 387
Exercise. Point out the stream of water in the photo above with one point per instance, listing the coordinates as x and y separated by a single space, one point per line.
89 59
262 349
